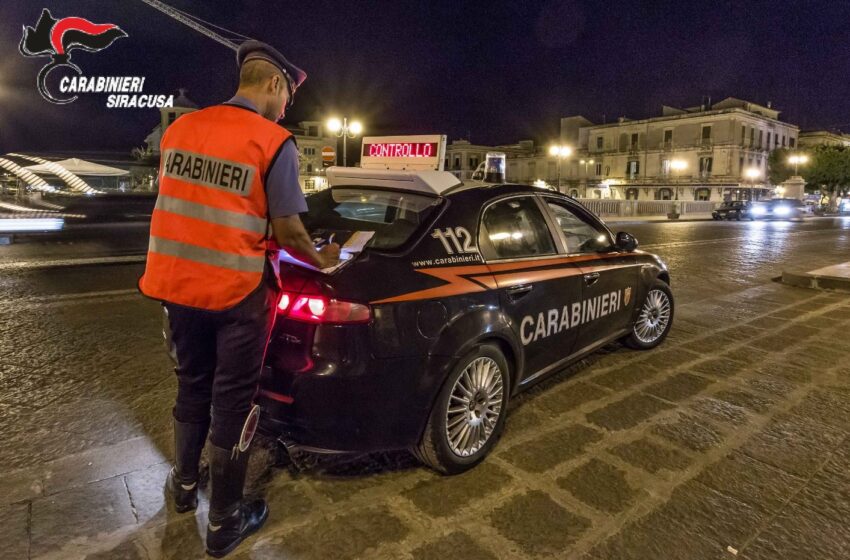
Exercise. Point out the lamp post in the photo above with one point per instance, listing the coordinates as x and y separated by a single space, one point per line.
677 165
560 152
345 130
797 160
752 173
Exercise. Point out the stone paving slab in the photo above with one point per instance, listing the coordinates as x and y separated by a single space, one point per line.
718 439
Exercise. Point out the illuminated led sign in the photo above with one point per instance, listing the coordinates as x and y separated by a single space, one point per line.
403 152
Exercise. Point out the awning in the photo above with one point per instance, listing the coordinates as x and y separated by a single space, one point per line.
80 167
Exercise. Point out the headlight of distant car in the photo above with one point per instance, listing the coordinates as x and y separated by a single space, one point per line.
759 210
845 205
782 210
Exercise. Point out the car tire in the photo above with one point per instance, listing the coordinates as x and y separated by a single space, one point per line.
648 331
436 449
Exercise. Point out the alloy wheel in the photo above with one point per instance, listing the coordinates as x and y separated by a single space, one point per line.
474 407
654 317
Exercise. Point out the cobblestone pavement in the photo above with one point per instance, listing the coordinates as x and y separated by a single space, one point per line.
728 441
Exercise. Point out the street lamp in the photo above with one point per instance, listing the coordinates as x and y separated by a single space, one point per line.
678 165
560 152
752 173
797 160
345 130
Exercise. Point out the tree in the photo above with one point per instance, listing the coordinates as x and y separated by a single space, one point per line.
828 169
778 168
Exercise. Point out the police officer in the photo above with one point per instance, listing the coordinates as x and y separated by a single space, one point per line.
227 172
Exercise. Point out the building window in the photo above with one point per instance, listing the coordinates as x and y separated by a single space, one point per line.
309 151
634 141
457 162
631 194
632 169
702 194
574 193
312 131
665 167
705 166
664 194
624 142
792 142
668 138
776 140
752 136
473 163
309 168
599 142
446 164
607 170
706 134
598 169
783 140
743 134
768 140
761 138
741 165
172 116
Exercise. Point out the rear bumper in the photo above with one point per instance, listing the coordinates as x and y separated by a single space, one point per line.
380 405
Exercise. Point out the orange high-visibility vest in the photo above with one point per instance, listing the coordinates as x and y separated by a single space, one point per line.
209 229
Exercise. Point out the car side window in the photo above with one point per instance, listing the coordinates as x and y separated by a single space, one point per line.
515 228
581 234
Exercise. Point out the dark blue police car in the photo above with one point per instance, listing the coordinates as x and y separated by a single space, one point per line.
464 296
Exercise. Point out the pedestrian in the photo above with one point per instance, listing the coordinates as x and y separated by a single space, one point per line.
228 178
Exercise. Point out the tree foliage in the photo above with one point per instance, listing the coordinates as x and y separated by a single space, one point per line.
827 171
778 168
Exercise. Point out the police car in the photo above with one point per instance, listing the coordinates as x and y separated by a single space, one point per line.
464 295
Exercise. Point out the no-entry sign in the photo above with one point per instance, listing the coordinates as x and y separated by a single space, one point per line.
328 154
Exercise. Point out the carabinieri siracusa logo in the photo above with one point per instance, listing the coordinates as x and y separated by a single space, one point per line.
57 38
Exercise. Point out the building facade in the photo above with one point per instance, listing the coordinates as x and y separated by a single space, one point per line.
812 138
709 152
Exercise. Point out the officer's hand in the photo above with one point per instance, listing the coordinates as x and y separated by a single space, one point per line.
330 255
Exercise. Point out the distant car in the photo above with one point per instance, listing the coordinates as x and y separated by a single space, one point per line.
779 209
733 210
844 206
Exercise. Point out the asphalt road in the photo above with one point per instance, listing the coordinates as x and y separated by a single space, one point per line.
705 258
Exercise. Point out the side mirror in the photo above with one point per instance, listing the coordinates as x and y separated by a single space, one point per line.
626 242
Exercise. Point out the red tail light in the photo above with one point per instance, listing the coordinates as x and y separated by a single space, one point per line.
320 309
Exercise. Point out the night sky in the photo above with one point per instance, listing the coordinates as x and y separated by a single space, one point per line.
495 72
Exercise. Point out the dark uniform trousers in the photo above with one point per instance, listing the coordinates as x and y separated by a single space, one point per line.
219 358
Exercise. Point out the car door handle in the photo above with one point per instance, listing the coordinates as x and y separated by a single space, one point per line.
591 279
517 292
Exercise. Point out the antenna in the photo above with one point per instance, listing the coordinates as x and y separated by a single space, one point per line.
196 23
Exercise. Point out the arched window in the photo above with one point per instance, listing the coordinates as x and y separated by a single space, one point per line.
702 194
631 194
574 193
664 194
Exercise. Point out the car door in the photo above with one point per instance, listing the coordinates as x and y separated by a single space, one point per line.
609 281
535 282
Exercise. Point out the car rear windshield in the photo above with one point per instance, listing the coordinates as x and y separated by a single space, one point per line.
394 216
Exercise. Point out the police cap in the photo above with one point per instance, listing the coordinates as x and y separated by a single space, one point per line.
254 50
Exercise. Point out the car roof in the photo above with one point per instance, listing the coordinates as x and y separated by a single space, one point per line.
487 191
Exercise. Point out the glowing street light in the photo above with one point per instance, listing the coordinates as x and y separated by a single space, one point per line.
677 165
560 152
345 130
797 160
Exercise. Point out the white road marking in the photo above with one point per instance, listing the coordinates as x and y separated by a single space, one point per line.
36 264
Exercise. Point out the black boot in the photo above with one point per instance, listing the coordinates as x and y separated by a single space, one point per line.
232 519
182 482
